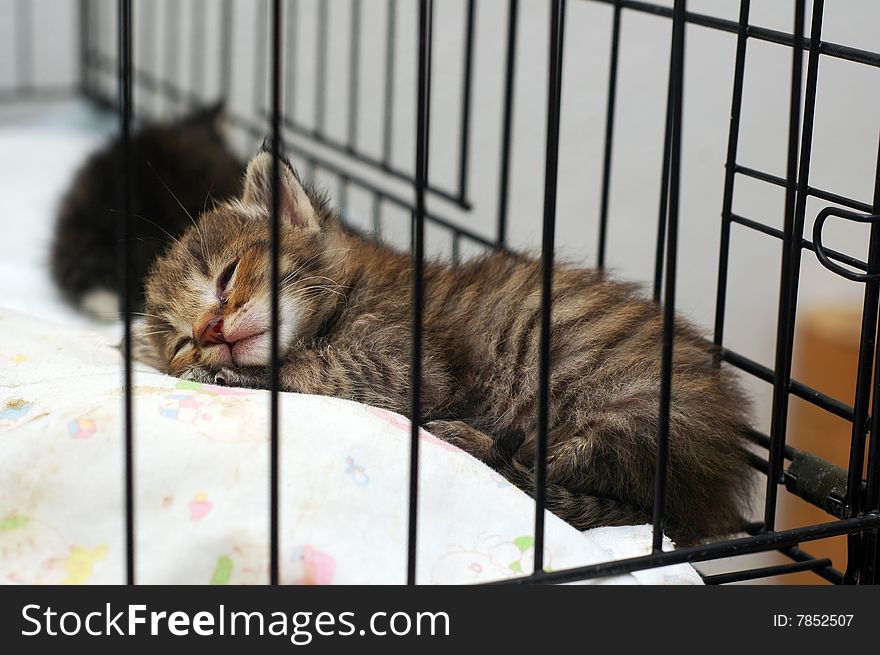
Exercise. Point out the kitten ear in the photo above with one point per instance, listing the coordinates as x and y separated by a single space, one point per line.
212 116
296 208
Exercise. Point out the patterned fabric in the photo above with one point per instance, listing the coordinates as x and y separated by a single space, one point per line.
202 484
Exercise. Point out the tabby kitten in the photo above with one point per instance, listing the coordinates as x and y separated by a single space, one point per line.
178 166
345 331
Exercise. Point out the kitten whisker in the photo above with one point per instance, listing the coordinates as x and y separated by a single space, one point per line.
180 204
152 334
207 195
147 314
154 223
319 287
301 266
313 258
316 291
324 277
326 290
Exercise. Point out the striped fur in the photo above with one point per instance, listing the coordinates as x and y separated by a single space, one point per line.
346 321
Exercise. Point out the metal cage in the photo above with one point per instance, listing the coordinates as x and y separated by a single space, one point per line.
851 499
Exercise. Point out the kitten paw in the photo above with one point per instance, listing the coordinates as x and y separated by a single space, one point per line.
253 378
461 435
250 377
201 374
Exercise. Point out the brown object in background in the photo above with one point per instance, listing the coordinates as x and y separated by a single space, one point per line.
825 358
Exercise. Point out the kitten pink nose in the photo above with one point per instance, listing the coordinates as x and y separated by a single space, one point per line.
211 332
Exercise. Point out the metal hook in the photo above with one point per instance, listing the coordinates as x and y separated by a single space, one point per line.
825 260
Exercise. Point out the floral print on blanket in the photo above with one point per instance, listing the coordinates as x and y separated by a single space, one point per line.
214 412
81 428
491 558
249 564
13 411
32 552
312 567
356 472
199 506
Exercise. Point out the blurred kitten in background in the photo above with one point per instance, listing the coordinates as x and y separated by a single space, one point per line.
180 169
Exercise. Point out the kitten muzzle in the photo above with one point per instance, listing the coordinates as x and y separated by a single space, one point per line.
212 332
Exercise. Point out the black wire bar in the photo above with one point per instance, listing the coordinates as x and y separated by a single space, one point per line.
423 106
551 169
673 157
126 246
274 426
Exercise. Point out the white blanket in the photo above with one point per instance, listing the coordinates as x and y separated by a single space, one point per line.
202 484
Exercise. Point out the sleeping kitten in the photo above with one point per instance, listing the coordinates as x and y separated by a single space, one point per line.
345 331
178 167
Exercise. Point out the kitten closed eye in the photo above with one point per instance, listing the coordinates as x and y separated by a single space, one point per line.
186 341
226 277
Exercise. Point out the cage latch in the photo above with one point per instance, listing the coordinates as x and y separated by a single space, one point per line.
818 482
825 256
